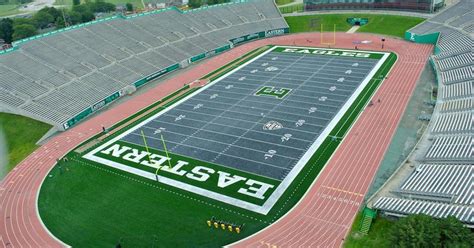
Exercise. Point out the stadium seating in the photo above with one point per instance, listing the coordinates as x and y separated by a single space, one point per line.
457 105
452 181
55 77
403 207
453 122
442 184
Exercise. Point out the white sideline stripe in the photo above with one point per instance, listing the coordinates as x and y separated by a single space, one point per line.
272 199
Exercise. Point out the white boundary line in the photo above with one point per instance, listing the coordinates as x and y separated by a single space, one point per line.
278 192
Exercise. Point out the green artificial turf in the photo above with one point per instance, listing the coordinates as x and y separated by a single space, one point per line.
21 134
87 204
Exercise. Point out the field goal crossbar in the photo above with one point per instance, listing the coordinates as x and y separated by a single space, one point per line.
333 42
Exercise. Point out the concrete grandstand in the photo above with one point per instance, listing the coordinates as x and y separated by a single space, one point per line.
63 76
440 183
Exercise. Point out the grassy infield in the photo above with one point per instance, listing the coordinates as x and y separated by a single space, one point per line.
105 197
22 133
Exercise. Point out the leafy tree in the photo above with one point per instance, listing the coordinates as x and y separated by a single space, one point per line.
454 234
85 13
56 13
129 6
23 31
6 30
43 19
20 21
76 2
415 231
195 3
87 16
99 6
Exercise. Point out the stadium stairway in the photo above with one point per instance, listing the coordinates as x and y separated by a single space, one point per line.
368 215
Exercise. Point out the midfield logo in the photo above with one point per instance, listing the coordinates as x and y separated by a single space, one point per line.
272 125
271 91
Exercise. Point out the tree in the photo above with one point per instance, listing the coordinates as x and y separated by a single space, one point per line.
43 19
56 13
129 6
6 30
454 234
99 6
76 2
195 3
23 31
415 231
20 21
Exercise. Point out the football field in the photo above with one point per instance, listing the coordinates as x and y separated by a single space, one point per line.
243 138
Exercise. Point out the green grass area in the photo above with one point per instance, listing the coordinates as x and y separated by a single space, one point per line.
380 24
281 2
9 9
136 3
377 236
21 134
88 204
390 24
292 8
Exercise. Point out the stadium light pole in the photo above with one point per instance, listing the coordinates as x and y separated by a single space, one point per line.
383 41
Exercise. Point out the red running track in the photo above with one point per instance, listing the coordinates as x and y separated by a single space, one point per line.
322 218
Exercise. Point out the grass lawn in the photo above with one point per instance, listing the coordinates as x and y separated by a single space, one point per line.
292 8
390 24
378 24
21 134
86 204
377 236
136 3
281 2
9 9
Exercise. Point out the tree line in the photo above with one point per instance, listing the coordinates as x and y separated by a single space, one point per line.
424 231
12 29
198 3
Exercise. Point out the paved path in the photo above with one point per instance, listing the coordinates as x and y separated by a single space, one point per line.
315 219
353 29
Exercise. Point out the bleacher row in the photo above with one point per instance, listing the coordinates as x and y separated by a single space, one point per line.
453 122
452 180
403 207
55 77
457 105
442 184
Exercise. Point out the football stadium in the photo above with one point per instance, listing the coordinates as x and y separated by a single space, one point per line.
239 123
